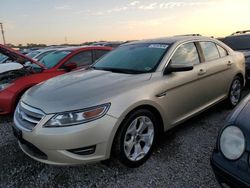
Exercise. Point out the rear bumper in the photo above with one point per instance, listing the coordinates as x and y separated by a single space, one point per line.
230 175
7 100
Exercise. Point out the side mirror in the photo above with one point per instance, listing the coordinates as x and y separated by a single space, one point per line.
178 68
69 66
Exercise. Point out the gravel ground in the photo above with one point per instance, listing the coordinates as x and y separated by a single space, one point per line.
181 160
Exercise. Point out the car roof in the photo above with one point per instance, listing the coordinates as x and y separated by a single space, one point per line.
74 48
69 48
112 42
238 41
170 40
47 50
239 35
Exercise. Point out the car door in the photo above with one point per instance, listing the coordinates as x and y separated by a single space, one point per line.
219 73
185 93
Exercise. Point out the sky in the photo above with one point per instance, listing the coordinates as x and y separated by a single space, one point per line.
78 21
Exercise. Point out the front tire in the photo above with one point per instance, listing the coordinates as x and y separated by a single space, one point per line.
136 138
235 92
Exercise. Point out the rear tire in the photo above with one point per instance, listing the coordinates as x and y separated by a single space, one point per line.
235 92
136 138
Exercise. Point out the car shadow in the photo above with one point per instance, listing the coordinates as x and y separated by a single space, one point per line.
6 118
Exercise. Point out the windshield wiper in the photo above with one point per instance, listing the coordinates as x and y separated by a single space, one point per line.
118 70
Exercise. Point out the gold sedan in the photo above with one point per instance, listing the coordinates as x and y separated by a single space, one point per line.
126 100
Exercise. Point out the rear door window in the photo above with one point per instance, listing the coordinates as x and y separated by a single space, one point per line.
186 54
210 51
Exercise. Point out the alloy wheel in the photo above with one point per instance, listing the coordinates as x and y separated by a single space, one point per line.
235 93
139 138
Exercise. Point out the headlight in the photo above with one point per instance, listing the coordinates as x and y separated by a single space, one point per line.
232 143
4 86
78 117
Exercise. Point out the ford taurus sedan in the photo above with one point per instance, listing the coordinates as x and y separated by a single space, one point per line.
230 159
125 101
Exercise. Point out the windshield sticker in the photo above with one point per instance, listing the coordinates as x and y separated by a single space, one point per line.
161 46
66 52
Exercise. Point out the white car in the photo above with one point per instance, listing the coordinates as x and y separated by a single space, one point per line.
10 67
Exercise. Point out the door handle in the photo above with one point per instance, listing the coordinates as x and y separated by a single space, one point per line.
201 72
229 63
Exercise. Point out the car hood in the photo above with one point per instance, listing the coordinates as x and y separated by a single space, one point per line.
243 118
234 115
17 57
6 67
240 117
81 89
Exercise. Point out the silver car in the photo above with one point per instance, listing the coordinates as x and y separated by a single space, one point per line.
37 55
123 103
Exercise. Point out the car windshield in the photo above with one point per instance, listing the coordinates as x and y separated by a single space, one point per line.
2 57
41 55
241 42
52 59
134 58
33 54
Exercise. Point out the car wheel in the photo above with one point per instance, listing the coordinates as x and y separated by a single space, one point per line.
136 138
235 92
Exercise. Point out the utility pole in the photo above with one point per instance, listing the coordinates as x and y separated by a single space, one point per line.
66 40
1 25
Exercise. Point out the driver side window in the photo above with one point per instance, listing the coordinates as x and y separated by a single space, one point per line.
81 59
186 54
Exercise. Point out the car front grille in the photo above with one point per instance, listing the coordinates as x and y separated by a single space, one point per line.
27 117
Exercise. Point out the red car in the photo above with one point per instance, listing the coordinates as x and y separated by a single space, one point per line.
15 81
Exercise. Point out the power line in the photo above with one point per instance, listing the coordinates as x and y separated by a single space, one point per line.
1 25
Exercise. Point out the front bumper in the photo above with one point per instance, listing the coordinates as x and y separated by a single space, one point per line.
55 145
7 100
233 174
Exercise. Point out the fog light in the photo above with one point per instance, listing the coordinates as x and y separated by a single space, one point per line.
83 151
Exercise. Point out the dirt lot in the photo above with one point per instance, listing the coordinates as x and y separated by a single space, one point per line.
181 160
